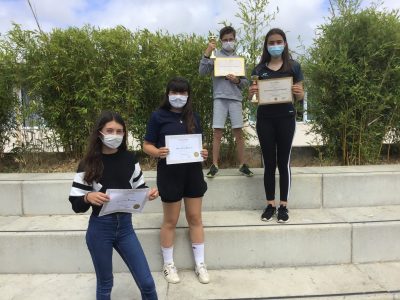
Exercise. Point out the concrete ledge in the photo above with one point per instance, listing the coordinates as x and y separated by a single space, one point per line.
367 189
10 198
46 197
374 242
234 239
336 282
66 252
312 187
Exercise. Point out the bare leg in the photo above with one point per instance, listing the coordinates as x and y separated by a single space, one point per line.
171 216
238 133
217 136
193 217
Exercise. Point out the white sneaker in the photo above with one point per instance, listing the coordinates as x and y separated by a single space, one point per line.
202 273
171 273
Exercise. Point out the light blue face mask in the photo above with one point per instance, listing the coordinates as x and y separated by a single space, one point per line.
276 50
177 101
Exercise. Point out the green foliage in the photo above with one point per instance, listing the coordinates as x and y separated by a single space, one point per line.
73 74
352 77
255 18
163 56
8 99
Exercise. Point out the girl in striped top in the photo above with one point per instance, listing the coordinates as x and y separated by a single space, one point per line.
109 165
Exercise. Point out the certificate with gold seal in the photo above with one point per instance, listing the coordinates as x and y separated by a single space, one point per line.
229 65
184 148
274 91
125 200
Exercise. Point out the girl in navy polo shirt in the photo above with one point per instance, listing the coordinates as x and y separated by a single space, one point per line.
276 123
177 181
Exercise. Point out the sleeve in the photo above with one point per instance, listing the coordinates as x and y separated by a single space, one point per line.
152 130
206 66
137 178
297 72
78 191
243 82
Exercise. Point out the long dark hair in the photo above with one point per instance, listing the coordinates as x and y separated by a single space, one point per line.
93 165
180 85
286 57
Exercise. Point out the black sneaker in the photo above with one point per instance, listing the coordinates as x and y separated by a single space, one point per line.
283 214
268 213
213 171
244 169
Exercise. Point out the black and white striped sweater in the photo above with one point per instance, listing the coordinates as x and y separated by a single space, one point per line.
121 171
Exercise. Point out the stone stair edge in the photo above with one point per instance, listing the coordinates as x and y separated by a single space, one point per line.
213 219
371 281
394 168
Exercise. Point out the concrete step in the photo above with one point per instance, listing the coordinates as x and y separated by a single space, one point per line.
312 187
378 281
234 239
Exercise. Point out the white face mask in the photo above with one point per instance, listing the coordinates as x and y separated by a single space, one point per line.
228 46
112 141
177 101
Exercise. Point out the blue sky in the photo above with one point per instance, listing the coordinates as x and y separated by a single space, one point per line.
296 17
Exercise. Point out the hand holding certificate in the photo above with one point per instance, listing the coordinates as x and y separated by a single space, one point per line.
184 148
274 91
125 200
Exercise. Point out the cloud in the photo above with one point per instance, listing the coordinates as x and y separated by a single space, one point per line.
296 17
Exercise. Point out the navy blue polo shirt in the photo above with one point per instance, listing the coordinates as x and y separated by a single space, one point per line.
165 122
281 109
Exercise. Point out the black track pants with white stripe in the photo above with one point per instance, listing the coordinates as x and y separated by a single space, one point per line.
276 137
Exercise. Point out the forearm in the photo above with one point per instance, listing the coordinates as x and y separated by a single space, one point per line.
151 150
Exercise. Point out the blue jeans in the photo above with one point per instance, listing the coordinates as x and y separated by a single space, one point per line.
116 231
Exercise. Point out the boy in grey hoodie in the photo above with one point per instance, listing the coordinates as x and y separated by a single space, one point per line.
227 93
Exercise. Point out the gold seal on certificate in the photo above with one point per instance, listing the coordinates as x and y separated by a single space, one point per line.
274 91
196 154
229 65
136 206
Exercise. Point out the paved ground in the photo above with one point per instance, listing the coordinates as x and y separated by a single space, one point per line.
365 281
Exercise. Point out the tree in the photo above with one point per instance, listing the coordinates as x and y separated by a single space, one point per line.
255 18
352 77
73 74
8 98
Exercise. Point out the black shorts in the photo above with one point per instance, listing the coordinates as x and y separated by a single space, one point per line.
179 181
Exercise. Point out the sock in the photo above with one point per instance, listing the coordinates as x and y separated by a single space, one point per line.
198 252
168 254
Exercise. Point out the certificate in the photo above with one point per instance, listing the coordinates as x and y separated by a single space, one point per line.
273 91
229 65
183 148
125 200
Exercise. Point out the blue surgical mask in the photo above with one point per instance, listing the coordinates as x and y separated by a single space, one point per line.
177 101
276 50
